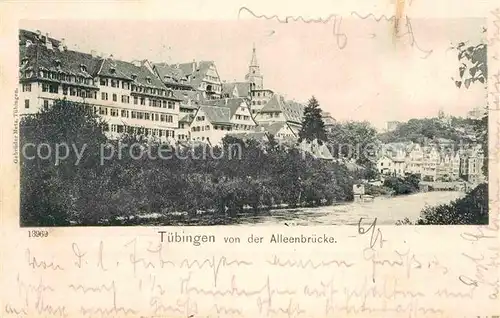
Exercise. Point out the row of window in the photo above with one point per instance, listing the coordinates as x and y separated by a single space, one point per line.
242 117
258 102
212 78
242 127
198 128
207 127
51 88
272 114
113 112
259 94
27 87
140 130
45 104
114 83
153 91
134 88
66 78
140 100
104 82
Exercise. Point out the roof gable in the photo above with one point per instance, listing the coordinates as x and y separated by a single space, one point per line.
216 114
231 103
236 89
138 72
275 104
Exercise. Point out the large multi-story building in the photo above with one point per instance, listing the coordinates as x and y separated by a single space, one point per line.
128 95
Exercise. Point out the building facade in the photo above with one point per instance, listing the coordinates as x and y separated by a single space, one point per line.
471 164
214 120
278 110
129 96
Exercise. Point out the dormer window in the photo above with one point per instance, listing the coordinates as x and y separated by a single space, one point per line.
58 63
112 70
134 76
148 80
83 68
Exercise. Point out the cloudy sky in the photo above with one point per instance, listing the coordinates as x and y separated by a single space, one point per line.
374 77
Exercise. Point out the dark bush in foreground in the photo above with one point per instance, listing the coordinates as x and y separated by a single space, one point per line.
472 209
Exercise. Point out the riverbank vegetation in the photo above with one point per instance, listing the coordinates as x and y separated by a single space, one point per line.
471 209
403 185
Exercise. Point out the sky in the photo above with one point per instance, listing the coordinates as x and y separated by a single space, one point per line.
373 77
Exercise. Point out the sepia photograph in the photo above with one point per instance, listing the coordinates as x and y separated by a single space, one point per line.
255 122
274 159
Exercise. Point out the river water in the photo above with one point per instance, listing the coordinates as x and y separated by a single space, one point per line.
387 210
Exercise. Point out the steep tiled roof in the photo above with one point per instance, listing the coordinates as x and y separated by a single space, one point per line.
216 114
275 104
38 57
165 70
171 74
291 110
242 88
196 73
127 70
231 103
196 97
25 35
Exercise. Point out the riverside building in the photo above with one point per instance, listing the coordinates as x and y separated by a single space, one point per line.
128 95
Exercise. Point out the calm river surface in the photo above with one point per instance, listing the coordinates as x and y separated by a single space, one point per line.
386 210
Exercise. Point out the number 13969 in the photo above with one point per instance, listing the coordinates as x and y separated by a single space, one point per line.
38 233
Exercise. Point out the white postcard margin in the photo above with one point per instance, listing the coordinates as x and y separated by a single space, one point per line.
417 271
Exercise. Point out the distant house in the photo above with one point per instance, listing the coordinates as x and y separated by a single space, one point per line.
215 120
279 110
385 165
328 120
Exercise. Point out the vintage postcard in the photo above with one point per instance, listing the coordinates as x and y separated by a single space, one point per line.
222 159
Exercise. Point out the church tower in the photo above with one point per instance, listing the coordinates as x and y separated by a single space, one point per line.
254 77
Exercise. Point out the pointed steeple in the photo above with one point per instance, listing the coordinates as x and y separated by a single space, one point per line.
254 76
254 62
